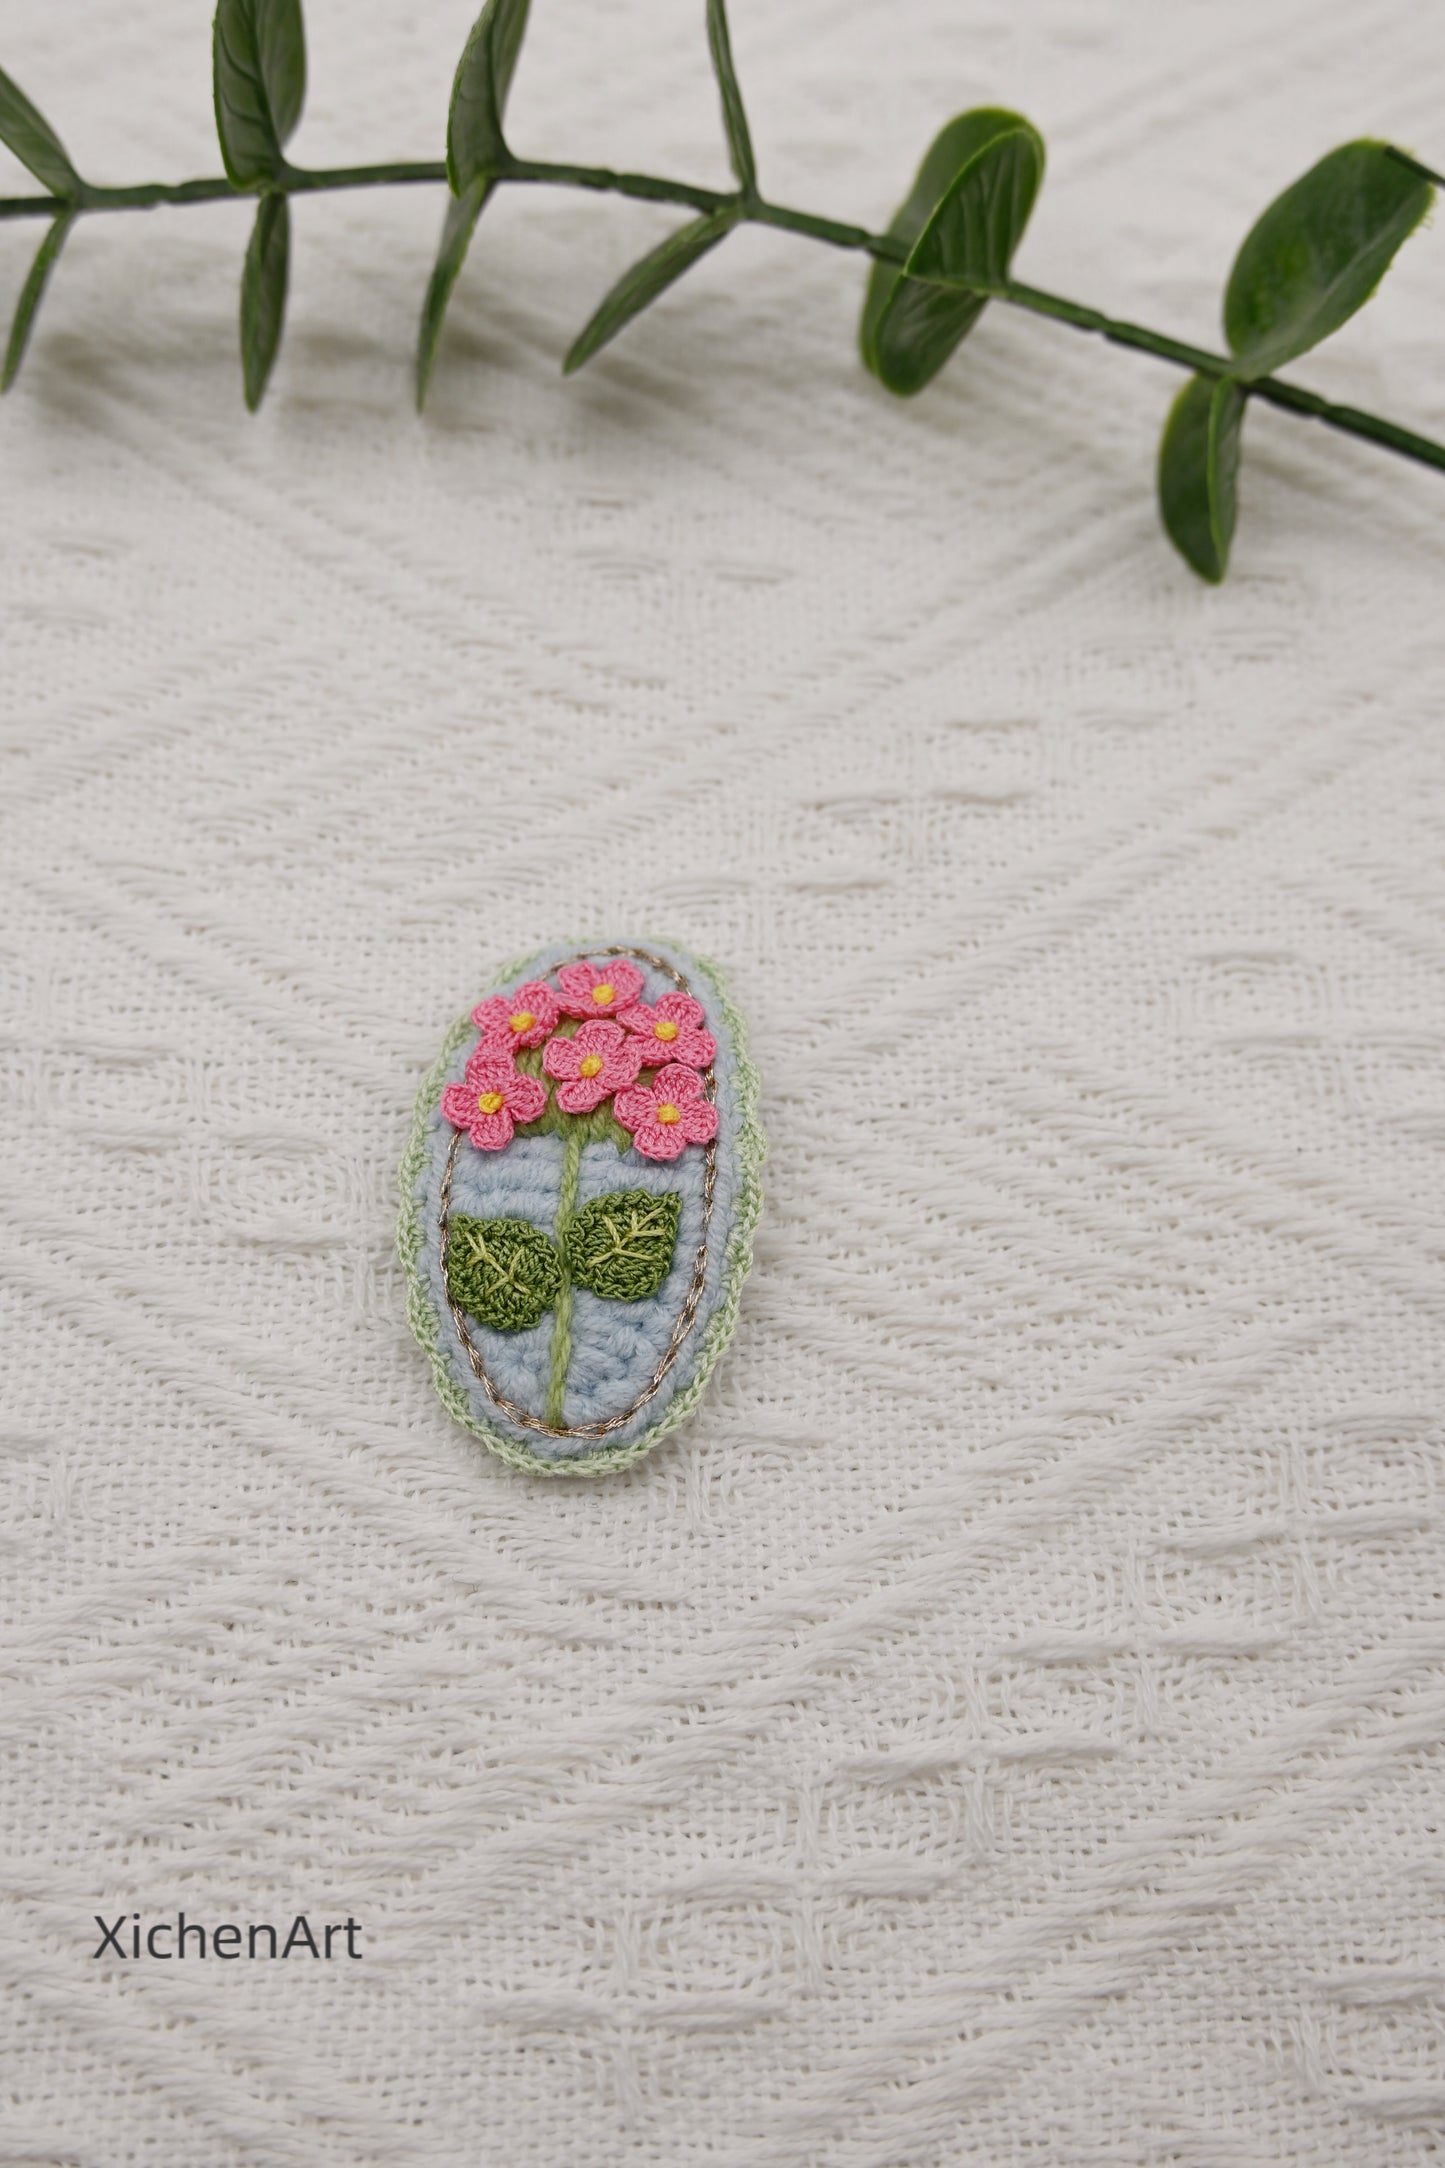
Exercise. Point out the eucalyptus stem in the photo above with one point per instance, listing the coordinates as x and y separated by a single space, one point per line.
601 180
748 208
1311 260
216 188
1275 391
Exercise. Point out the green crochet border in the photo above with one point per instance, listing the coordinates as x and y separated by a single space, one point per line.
422 1316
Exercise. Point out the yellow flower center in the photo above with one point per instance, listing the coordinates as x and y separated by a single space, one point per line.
667 1112
522 1021
602 994
666 1030
490 1102
590 1065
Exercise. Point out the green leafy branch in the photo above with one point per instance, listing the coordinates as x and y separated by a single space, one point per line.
1308 264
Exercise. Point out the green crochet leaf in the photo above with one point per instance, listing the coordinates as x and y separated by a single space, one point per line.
620 1246
503 1272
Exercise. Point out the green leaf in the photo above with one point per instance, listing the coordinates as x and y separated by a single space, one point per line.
503 1272
735 119
259 73
476 146
30 294
263 294
459 225
963 218
1198 468
640 286
30 136
620 1246
1319 252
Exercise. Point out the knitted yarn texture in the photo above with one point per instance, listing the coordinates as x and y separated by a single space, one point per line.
1003 1727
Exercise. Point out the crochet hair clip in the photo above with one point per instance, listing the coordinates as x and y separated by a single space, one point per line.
578 1202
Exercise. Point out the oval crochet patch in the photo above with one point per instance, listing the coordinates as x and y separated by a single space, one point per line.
578 1203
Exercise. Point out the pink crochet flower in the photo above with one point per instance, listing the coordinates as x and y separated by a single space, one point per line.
493 1099
523 1018
598 989
671 1031
667 1113
598 1061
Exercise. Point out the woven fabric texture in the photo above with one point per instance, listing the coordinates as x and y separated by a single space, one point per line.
1004 1726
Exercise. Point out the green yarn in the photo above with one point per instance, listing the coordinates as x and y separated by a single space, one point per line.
620 1246
562 1328
425 1321
503 1272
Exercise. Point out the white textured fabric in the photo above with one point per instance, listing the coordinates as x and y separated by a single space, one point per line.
1005 1726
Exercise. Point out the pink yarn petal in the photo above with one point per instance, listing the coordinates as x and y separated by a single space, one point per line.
560 1057
679 1009
691 1046
526 1098
532 999
492 1132
694 1049
675 1082
698 1121
635 1107
459 1105
490 1069
493 1017
599 1037
490 1016
622 1064
581 1096
658 1140
577 982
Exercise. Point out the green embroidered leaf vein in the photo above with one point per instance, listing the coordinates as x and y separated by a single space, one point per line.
504 1272
621 1246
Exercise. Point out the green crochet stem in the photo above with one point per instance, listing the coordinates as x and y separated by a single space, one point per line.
562 1309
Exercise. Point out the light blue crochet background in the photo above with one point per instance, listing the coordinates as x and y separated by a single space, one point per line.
616 1346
